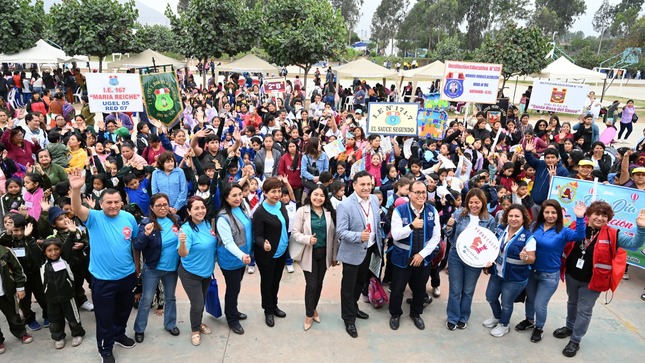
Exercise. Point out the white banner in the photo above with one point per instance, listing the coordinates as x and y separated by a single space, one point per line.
477 246
471 82
114 92
558 97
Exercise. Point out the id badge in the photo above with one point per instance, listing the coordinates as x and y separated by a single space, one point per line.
580 263
19 251
58 266
29 204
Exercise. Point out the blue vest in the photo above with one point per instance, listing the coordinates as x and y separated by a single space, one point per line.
513 268
404 249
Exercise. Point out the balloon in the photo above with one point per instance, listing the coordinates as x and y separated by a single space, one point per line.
634 197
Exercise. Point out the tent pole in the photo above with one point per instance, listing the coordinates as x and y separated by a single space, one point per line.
602 96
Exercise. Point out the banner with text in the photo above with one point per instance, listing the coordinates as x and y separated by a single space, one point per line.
624 202
560 97
274 85
114 92
162 97
386 118
471 82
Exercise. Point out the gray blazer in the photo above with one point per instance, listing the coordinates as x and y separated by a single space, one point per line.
350 223
261 155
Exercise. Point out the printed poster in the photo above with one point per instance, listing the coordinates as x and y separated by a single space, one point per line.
162 97
114 92
471 82
334 148
274 85
385 118
432 123
560 97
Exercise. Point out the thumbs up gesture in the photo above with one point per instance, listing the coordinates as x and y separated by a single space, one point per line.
365 235
267 245
313 240
182 237
418 222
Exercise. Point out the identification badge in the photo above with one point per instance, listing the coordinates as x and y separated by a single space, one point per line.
580 263
19 251
29 204
58 266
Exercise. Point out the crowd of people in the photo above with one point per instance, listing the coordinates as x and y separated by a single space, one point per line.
244 181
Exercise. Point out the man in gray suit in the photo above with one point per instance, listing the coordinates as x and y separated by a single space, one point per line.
358 228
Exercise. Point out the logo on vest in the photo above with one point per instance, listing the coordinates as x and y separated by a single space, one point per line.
127 233
603 241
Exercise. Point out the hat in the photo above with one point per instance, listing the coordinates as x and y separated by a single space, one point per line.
585 162
639 169
349 135
359 111
54 212
122 131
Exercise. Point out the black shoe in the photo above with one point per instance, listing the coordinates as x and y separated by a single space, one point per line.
562 333
427 300
462 325
418 322
126 342
394 322
571 349
269 320
241 316
174 331
237 329
108 358
362 315
351 330
450 325
537 335
279 313
138 337
525 324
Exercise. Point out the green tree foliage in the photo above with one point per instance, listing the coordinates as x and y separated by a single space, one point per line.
625 14
386 20
442 14
522 51
182 5
94 27
556 16
449 48
351 11
21 25
302 32
157 37
602 19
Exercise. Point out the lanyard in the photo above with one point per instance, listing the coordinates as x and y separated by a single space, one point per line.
366 212
587 242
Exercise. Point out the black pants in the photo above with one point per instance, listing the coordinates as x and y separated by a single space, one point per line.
33 285
233 280
314 280
58 313
352 283
417 277
195 287
8 308
270 276
79 291
625 127
113 301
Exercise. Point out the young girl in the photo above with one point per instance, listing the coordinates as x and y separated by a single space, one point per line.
337 190
34 193
401 190
374 168
13 198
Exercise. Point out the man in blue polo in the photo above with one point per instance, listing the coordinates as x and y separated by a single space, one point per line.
111 232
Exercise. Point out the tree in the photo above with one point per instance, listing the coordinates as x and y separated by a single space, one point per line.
556 16
449 48
386 20
624 16
602 19
95 27
350 10
21 24
157 37
442 14
522 51
308 31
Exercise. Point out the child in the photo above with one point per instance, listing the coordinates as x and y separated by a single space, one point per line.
253 197
373 166
337 191
13 285
207 190
391 177
95 185
415 169
288 200
58 281
506 177
521 195
401 190
34 193
13 198
504 202
59 151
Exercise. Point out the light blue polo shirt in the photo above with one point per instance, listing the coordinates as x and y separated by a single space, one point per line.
111 244
201 246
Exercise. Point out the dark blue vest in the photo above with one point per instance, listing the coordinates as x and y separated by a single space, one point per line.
513 268
404 249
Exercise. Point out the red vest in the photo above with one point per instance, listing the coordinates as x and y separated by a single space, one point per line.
603 254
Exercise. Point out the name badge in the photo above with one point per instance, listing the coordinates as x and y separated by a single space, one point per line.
58 266
19 251
580 263
29 204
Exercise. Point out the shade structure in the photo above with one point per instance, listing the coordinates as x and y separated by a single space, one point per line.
429 72
144 59
43 52
250 63
363 68
562 68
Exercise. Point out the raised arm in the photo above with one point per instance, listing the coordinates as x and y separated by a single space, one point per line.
76 182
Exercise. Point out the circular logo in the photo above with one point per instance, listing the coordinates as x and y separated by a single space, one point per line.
127 233
454 88
477 246
566 194
175 229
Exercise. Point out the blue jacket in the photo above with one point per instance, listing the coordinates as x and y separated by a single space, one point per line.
322 163
149 245
402 249
173 184
550 245
462 222
542 182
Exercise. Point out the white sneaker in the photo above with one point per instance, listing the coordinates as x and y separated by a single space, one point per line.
625 276
250 269
436 291
59 344
500 330
290 269
76 341
490 323
87 306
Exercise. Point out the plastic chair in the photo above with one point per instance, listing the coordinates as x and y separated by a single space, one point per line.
78 94
349 103
12 100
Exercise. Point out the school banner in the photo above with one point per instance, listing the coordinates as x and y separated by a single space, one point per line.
624 202
496 112
433 100
432 123
162 97
274 85
560 97
386 118
114 92
471 82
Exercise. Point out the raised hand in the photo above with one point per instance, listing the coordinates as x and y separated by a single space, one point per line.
29 228
76 179
45 205
640 220
552 170
71 226
149 228
581 208
529 147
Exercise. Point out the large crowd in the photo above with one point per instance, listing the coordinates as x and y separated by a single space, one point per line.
130 206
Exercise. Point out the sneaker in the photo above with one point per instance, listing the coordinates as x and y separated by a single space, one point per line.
26 339
34 326
450 326
87 306
625 276
1 348
46 323
537 335
490 323
76 341
562 333
525 324
59 344
500 330
436 291
290 269
250 269
126 342
462 325
108 358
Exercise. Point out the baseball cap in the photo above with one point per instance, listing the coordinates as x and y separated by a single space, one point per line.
585 162
359 111
639 169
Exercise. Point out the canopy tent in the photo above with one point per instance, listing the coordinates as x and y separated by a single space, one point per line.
144 59
250 63
43 52
429 72
363 68
562 68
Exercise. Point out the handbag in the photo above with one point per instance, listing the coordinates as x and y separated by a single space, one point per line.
296 249
313 170
212 303
634 118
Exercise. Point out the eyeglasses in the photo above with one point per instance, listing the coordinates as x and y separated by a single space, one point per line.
419 193
160 205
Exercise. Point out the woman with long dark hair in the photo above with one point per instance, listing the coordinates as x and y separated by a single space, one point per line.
314 162
289 166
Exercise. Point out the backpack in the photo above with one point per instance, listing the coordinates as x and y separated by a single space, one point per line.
68 111
376 293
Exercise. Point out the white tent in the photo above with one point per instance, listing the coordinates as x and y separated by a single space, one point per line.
562 68
249 63
144 59
43 52
429 72
363 68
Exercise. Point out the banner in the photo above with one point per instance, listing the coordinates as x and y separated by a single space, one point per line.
162 97
432 123
433 100
274 85
385 118
624 202
334 148
471 82
496 112
114 92
558 97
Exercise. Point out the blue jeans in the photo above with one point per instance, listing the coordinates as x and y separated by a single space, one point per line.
541 286
463 281
508 290
150 278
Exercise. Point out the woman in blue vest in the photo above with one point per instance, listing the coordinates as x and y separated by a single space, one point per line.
510 271
270 234
159 246
463 278
197 248
234 249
